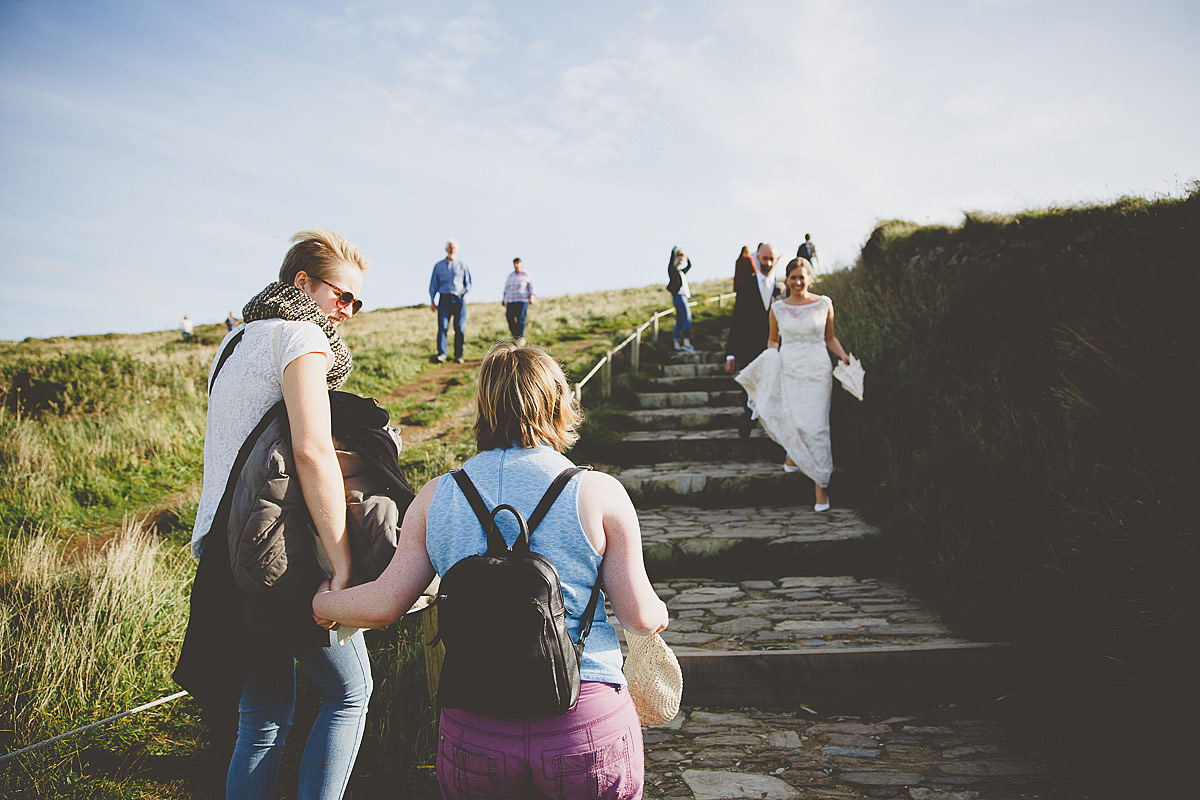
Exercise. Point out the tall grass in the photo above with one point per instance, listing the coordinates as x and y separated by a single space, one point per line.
81 638
1028 440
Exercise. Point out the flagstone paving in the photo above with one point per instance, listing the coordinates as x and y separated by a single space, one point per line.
935 754
798 612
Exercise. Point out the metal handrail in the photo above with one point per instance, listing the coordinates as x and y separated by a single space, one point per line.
604 365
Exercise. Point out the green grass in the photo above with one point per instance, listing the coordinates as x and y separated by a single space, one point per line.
96 431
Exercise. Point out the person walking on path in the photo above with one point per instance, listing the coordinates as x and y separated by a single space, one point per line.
185 328
526 417
749 327
290 350
448 287
677 268
808 251
518 295
790 384
743 268
230 322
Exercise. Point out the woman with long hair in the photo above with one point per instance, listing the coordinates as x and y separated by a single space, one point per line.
526 416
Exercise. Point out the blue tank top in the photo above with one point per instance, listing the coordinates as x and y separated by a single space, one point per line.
519 477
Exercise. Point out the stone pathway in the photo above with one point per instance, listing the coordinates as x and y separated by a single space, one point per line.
782 621
937 754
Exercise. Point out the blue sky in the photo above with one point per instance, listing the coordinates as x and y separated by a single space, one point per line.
157 156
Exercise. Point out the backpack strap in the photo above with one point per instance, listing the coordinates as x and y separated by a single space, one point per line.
224 355
495 541
556 488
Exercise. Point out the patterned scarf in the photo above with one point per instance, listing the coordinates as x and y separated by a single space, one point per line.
282 301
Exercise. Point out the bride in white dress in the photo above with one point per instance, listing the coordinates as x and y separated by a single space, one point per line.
790 384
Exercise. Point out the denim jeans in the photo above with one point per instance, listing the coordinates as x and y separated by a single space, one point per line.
683 318
592 751
451 306
342 675
514 314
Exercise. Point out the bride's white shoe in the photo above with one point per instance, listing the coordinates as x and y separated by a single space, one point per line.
821 506
790 467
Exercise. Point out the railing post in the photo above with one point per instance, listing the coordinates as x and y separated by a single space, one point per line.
579 393
654 338
635 358
720 301
606 377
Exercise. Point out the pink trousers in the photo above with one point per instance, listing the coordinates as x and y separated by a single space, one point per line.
592 751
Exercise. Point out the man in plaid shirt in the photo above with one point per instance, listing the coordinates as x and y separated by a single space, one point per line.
518 294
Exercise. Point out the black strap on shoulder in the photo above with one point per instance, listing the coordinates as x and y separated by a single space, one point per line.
495 541
556 488
237 337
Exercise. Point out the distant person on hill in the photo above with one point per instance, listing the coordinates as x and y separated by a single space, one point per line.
185 328
526 416
230 322
290 350
743 268
808 251
518 295
749 328
677 267
789 385
448 287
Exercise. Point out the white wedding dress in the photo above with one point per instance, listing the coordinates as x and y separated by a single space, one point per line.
789 389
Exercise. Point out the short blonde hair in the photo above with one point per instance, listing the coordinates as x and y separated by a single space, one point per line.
524 400
317 252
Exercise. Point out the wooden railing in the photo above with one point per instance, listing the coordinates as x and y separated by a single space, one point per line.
604 365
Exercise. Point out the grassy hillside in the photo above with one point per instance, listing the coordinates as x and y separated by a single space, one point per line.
1029 440
98 432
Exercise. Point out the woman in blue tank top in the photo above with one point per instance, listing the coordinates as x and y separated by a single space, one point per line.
526 417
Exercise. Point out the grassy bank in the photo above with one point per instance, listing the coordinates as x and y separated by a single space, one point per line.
1028 442
98 430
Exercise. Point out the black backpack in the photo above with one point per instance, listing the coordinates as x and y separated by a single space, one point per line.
502 619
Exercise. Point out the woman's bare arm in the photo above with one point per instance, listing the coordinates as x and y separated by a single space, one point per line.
384 600
831 341
604 504
307 400
773 334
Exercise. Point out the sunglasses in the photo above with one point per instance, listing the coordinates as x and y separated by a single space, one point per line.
343 298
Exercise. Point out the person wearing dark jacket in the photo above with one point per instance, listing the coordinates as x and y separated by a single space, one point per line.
749 328
743 268
677 268
289 350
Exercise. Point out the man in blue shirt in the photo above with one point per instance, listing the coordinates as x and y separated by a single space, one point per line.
448 287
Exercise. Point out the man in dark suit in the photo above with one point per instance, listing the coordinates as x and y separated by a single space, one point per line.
749 329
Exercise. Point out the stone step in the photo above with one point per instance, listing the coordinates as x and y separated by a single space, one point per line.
648 447
706 383
699 357
926 754
737 543
713 484
695 370
697 399
686 418
809 639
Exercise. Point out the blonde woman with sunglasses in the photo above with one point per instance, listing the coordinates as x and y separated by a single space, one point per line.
287 349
